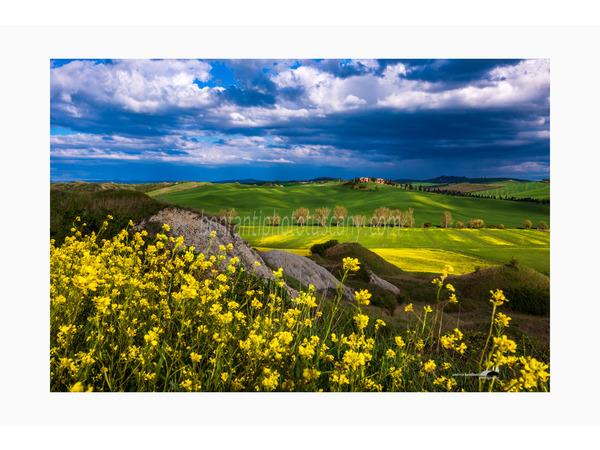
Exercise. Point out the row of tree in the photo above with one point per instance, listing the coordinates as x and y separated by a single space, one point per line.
382 217
462 193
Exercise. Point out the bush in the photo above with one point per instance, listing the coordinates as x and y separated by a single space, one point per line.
529 300
542 225
527 224
501 226
320 249
514 262
476 223
426 225
460 225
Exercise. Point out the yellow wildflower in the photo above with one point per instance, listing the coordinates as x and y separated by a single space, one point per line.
498 297
429 366
362 297
501 320
361 321
351 264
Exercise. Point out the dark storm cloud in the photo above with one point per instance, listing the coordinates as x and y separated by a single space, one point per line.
342 113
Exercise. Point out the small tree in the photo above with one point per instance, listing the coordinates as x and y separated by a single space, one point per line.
447 220
396 216
274 220
460 225
409 217
542 225
339 213
381 216
227 215
527 224
231 215
359 221
301 215
321 215
476 223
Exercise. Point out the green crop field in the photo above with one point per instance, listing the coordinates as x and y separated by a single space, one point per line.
417 249
254 203
533 189
423 250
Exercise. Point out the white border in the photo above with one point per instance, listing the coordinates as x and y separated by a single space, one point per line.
25 115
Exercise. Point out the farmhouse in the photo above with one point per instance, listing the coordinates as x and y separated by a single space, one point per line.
367 179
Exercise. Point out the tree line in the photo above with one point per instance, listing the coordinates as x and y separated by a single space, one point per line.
462 193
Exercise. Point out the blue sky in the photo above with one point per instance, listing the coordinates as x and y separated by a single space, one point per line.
213 120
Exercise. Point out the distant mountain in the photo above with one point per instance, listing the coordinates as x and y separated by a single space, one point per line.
326 179
407 181
244 181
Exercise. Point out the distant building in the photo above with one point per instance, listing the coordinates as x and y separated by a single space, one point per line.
368 179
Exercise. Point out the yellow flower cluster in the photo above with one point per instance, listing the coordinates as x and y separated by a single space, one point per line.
141 313
451 341
351 264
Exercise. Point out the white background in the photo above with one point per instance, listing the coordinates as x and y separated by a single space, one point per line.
32 33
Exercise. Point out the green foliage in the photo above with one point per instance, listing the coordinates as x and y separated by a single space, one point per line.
514 262
320 249
542 225
93 205
475 223
527 291
529 299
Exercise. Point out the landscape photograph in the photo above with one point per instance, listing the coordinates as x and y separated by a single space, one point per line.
299 225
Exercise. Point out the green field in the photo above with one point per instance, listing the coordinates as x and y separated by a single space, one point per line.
417 249
533 189
254 203
421 250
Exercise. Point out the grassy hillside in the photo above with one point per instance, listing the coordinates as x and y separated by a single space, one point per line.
256 203
533 189
92 202
418 249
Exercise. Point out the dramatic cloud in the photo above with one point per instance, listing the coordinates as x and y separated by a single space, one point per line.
254 118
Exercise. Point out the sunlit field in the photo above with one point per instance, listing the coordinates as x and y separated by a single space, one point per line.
411 249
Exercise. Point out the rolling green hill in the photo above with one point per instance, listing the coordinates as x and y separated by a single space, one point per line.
256 203
533 189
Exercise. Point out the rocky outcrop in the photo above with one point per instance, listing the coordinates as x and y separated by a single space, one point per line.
304 270
382 283
196 230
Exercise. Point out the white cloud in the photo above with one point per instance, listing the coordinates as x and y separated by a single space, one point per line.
508 86
527 167
135 85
